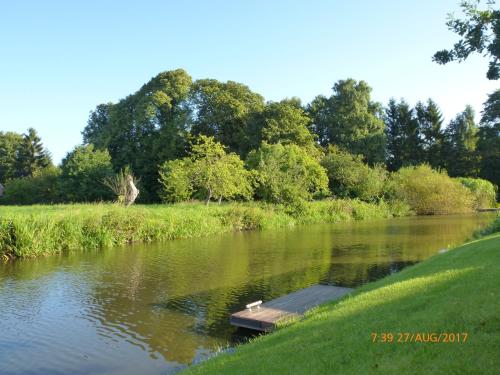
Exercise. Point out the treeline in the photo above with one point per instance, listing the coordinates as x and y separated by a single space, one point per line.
219 140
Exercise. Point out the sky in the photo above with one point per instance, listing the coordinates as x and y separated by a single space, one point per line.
59 59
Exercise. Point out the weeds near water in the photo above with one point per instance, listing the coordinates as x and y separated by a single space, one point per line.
41 230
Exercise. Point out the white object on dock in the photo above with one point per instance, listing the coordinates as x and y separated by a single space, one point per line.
253 304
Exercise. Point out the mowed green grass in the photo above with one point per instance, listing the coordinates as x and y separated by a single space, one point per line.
454 292
27 231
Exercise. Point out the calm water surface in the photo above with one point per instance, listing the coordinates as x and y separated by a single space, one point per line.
153 309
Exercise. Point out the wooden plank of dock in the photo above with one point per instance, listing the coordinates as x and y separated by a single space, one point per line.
286 307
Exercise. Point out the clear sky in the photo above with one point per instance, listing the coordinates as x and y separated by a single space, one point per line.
59 59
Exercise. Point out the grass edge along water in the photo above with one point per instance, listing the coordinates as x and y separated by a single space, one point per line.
27 231
438 296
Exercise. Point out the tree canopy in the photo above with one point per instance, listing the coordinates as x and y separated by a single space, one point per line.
208 170
286 173
83 171
480 33
349 119
220 140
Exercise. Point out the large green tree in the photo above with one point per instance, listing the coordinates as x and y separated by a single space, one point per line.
488 145
225 111
350 119
404 138
284 122
286 174
31 155
10 143
209 171
145 128
479 31
83 171
460 145
430 122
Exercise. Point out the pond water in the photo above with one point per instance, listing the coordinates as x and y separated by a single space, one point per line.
153 309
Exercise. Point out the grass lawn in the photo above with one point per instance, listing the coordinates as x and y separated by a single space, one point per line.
454 292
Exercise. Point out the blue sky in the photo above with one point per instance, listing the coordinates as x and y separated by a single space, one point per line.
59 59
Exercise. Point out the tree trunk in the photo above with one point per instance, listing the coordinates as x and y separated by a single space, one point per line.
220 199
208 197
132 191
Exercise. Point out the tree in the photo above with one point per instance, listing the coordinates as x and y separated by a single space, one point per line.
176 180
217 173
145 128
350 177
10 143
31 155
404 139
97 131
479 32
82 173
225 111
488 144
491 111
209 171
350 120
430 122
286 174
284 122
460 145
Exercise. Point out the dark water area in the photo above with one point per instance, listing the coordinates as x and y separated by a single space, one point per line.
153 309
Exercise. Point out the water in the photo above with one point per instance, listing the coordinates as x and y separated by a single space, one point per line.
153 309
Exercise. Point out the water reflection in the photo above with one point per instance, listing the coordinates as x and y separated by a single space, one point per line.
153 309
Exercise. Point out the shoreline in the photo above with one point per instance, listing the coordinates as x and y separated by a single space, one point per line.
449 268
30 231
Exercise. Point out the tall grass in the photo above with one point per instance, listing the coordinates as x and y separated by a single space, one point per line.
42 230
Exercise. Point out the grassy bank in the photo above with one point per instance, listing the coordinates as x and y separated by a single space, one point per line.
42 230
454 292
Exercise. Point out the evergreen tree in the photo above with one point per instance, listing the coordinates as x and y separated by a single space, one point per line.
430 122
460 145
488 145
404 140
31 156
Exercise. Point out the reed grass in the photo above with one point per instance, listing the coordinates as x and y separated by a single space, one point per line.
27 231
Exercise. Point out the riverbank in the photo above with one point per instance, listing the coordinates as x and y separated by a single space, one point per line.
455 295
27 231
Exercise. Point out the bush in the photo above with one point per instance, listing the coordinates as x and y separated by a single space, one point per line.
430 192
286 174
175 178
484 192
350 177
209 171
82 173
42 187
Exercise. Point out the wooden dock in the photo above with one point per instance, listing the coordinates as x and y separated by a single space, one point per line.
265 316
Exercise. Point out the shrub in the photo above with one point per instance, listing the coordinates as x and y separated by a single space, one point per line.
209 171
42 187
175 178
82 173
350 177
484 192
430 192
286 174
